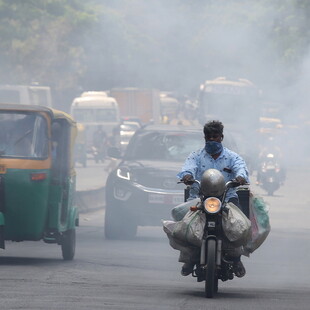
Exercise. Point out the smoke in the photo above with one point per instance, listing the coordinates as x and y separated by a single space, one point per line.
176 46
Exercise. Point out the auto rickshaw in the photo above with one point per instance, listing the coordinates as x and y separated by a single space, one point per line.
37 176
80 146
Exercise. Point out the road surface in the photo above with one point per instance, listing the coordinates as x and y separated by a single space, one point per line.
144 273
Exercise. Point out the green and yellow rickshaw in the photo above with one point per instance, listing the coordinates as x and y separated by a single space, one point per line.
37 176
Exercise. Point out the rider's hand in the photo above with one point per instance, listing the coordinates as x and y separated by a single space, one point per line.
188 179
241 180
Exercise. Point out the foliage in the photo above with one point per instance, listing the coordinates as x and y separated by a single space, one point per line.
41 41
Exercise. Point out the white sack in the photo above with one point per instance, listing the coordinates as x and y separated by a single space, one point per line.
236 226
179 211
188 253
191 228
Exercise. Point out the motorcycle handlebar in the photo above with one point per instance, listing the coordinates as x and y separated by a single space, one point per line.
229 184
232 183
191 182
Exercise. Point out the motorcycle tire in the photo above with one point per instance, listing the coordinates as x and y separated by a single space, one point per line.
270 192
271 189
211 282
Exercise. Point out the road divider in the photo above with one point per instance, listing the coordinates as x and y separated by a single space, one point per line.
90 200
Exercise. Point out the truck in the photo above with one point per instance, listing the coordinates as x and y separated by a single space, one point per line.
26 94
138 104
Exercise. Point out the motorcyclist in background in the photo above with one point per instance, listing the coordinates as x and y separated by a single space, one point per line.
230 164
271 148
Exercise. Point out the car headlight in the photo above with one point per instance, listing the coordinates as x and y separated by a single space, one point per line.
212 205
123 173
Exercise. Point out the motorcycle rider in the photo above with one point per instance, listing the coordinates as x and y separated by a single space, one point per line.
230 164
271 148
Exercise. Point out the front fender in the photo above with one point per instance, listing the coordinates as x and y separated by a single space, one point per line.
203 248
73 218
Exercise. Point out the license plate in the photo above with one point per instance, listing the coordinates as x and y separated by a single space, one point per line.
2 169
166 199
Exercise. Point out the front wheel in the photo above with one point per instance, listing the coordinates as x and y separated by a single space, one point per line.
271 188
68 244
211 277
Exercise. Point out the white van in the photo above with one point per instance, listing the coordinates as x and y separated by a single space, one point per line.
94 111
26 94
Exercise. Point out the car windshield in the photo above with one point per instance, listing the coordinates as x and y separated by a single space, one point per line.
171 146
23 135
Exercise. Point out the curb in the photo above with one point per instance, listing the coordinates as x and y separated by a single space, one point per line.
90 200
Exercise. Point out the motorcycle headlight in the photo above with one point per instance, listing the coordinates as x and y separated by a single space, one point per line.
212 205
123 173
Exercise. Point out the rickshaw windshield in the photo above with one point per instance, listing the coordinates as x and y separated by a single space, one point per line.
23 135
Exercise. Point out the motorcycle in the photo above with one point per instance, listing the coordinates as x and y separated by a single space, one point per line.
269 175
216 262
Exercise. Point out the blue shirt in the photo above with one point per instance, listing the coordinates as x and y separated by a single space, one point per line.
229 163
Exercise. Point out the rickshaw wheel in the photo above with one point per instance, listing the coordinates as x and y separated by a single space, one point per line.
68 244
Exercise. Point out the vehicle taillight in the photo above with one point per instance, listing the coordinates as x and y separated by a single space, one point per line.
38 176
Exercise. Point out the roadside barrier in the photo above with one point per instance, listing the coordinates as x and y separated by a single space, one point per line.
90 200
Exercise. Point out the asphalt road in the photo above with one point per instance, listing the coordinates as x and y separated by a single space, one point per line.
144 273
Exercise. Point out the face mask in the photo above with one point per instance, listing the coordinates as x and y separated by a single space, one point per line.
213 147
